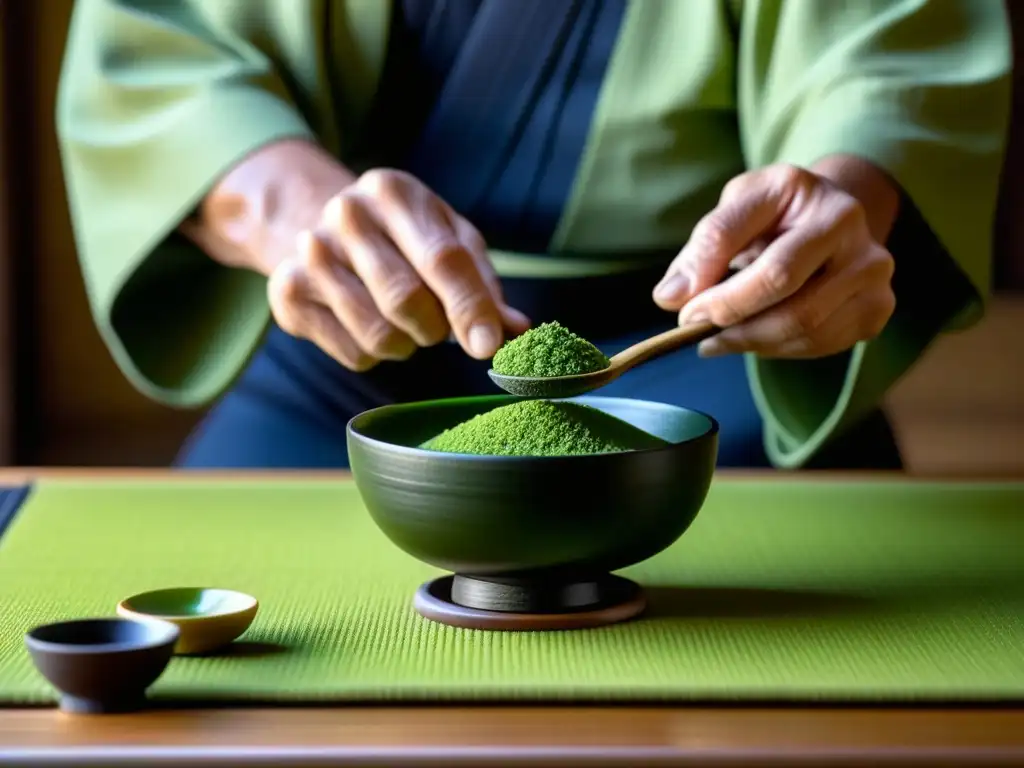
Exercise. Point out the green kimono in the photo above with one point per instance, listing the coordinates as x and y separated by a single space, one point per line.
158 100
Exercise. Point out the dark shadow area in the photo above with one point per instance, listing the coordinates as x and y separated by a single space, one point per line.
751 603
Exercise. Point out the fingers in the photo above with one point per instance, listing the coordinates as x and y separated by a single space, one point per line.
829 315
400 296
747 257
289 294
513 320
324 330
397 269
779 272
811 279
416 223
335 287
750 206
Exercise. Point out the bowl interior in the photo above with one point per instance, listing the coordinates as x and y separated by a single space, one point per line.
102 634
189 602
409 425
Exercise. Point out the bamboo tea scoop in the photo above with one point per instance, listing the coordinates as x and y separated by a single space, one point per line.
570 386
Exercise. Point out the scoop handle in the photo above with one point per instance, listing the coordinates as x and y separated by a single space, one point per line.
669 341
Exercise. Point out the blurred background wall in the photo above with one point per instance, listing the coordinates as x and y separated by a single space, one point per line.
63 402
74 406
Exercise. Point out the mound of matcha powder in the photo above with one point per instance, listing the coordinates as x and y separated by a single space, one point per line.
548 350
542 428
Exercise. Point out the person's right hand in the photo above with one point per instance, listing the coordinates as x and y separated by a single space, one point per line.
390 268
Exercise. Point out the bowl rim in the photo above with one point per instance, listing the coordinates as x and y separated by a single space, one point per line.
163 634
128 611
352 430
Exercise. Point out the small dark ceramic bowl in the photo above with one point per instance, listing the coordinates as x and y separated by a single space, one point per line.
102 666
531 520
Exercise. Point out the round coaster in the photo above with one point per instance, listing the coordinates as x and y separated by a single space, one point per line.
625 600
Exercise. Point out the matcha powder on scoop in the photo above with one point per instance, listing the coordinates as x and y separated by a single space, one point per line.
542 428
547 351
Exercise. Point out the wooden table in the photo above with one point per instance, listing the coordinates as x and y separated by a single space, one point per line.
522 735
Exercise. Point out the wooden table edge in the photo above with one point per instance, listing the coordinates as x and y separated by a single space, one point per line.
441 735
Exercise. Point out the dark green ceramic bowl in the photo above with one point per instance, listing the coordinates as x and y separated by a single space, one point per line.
531 518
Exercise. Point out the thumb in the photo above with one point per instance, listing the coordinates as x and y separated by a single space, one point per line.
749 207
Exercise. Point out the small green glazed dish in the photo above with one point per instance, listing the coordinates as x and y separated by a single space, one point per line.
532 525
207 618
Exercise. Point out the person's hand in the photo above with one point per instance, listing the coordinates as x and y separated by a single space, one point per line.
812 280
391 268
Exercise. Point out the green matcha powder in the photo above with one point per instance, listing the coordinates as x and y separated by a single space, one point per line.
548 350
542 428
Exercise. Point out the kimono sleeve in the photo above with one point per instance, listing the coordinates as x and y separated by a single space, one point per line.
157 101
922 90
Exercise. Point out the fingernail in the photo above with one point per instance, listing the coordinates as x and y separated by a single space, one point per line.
672 288
305 242
712 347
484 340
693 318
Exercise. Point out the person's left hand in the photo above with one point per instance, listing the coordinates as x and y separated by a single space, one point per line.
812 281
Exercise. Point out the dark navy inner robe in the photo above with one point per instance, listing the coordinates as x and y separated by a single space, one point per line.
505 94
489 102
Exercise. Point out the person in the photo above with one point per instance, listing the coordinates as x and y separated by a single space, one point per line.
297 210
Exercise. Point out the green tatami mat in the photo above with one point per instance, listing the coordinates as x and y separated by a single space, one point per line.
781 590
